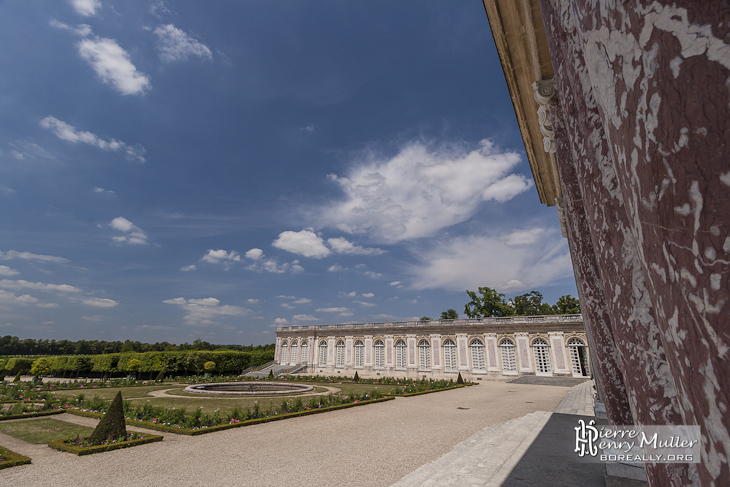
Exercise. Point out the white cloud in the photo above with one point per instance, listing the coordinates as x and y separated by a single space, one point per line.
95 318
7 271
111 63
287 306
175 45
281 321
340 309
305 242
8 298
348 295
204 311
99 302
252 301
263 264
254 254
133 235
48 305
103 191
221 256
365 303
38 286
335 268
528 236
188 268
304 318
368 295
14 254
302 301
67 132
396 283
421 190
87 8
82 30
343 246
374 275
468 262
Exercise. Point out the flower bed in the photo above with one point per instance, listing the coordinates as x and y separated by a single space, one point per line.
419 393
77 446
234 423
9 458
31 414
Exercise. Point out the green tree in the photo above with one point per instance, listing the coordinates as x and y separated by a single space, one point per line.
209 366
450 314
112 424
531 304
41 366
567 305
487 302
425 318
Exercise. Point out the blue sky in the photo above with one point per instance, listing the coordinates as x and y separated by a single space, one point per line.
175 170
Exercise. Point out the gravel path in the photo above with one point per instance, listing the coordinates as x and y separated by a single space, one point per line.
374 445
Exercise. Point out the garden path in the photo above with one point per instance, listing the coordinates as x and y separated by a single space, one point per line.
371 446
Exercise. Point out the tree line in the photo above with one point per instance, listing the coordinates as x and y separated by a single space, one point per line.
148 364
488 302
12 345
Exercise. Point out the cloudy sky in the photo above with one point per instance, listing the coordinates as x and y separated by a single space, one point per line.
175 170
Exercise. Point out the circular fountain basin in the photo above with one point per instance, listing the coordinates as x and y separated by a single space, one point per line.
248 388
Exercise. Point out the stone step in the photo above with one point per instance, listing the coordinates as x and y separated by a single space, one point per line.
480 457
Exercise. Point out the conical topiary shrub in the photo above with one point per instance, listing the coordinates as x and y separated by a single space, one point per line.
271 373
357 377
112 424
459 380
17 377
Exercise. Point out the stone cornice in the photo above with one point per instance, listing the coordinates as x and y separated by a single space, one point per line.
519 35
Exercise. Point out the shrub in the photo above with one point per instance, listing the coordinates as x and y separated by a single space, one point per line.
209 366
271 373
112 425
17 377
357 377
161 376
459 380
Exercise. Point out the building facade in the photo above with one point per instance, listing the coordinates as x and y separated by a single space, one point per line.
554 345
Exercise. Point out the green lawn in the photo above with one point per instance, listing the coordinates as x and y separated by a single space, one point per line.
210 402
43 430
109 393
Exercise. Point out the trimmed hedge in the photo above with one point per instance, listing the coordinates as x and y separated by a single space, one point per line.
249 422
12 459
32 415
411 394
148 363
62 445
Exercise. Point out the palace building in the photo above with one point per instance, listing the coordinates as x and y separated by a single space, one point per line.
553 345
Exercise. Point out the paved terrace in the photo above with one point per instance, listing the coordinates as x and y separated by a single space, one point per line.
496 433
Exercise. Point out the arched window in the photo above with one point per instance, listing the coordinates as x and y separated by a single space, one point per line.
400 355
509 361
305 349
340 354
294 350
379 353
578 358
284 354
477 355
359 353
449 356
542 356
424 355
322 353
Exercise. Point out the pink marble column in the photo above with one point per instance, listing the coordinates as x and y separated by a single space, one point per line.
646 124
